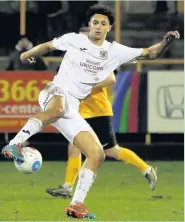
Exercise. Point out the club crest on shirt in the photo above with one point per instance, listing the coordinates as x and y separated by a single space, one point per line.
96 79
103 54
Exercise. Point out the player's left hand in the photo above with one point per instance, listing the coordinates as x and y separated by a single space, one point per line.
171 36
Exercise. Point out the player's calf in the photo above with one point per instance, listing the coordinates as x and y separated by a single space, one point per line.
88 143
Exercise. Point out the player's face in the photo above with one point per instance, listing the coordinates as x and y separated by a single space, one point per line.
99 26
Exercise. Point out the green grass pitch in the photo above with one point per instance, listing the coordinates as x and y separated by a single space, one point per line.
120 193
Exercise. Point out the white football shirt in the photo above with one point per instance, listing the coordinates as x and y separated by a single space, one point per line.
86 64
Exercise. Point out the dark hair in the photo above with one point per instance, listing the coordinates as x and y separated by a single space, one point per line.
100 9
84 29
115 71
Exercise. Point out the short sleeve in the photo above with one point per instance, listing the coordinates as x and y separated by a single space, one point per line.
127 54
62 43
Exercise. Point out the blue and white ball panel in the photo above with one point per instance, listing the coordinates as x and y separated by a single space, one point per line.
36 166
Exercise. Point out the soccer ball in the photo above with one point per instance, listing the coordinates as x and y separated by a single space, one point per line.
32 163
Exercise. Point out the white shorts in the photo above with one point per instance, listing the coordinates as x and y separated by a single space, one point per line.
71 123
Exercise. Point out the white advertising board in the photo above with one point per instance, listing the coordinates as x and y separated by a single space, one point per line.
165 101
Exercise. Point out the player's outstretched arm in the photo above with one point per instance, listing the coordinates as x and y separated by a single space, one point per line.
157 50
38 50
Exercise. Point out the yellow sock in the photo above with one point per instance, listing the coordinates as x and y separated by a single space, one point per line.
130 157
73 168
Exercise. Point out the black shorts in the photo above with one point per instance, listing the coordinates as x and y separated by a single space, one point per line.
103 127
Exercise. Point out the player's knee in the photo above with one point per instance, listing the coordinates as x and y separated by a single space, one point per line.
73 151
99 156
56 113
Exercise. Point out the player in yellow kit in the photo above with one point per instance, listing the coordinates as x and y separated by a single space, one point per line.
97 111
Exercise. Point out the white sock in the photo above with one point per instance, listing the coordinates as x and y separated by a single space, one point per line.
85 180
147 171
32 127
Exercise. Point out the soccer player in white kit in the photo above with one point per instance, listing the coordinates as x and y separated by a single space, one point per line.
88 62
